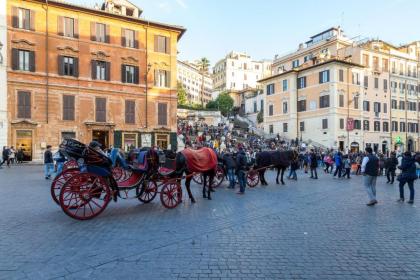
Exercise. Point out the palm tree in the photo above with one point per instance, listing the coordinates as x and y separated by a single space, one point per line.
203 66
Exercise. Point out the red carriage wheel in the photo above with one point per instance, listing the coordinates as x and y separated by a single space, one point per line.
59 181
220 176
198 178
171 195
252 178
84 196
148 191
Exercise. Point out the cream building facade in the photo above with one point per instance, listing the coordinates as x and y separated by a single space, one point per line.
191 79
3 75
346 94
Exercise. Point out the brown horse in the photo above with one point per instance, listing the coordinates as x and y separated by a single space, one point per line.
278 159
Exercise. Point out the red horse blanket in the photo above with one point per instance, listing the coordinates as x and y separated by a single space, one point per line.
200 160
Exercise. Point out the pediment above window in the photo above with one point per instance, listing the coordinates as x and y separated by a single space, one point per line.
100 55
67 50
130 60
23 44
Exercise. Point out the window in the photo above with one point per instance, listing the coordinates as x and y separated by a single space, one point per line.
101 70
366 60
376 126
162 78
68 66
377 107
284 127
302 126
285 85
384 64
68 135
301 105
402 105
385 127
366 106
68 27
295 63
100 109
270 110
402 126
357 124
23 18
324 101
301 82
366 81
376 83
24 105
23 60
376 63
284 107
255 106
99 32
341 100
162 44
68 107
355 78
394 125
356 102
385 85
394 104
128 38
270 129
324 123
366 125
261 105
162 114
324 76
341 123
270 89
130 107
129 74
341 75
385 108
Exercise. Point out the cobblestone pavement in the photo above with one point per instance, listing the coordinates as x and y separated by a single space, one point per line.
309 229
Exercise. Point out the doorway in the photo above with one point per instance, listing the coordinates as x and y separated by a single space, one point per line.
162 141
341 145
24 142
101 136
410 145
354 147
384 147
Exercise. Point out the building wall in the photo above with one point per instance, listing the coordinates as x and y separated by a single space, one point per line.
3 76
192 80
46 123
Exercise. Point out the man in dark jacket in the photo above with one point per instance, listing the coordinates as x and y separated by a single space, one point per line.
5 155
241 166
391 165
370 166
313 164
230 166
48 162
408 175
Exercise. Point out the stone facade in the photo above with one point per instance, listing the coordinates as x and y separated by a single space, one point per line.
3 75
148 94
190 77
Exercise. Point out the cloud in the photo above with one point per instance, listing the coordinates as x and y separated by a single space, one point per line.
169 6
181 3
165 7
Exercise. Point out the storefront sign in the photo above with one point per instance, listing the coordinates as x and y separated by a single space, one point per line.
146 140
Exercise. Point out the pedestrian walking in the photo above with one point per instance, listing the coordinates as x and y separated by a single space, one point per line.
347 166
338 164
408 175
230 168
19 155
59 159
390 167
294 165
12 155
313 164
370 165
48 162
5 156
241 166
358 165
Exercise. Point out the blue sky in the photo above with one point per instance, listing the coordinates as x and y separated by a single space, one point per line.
263 28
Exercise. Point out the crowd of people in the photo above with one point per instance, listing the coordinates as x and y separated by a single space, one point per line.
11 156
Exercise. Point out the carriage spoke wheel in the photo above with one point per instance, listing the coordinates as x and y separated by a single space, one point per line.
171 195
252 178
84 196
220 176
198 178
58 183
148 191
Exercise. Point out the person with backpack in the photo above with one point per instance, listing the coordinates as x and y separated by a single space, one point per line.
338 164
408 175
48 163
241 166
313 164
370 166
390 167
230 165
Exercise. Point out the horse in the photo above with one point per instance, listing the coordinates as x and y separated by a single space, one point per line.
189 161
278 159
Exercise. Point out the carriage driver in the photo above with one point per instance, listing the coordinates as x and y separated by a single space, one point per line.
241 165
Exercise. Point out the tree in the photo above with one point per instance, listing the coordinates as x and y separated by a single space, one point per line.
182 94
203 66
260 116
225 103
212 105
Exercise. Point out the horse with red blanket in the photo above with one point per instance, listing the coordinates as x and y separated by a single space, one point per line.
203 161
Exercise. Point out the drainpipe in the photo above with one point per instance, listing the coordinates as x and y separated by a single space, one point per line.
147 73
406 123
348 108
46 62
390 101
297 109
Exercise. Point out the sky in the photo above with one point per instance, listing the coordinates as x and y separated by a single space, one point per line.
264 28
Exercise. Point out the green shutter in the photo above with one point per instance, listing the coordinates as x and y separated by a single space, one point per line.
173 139
138 139
117 139
153 139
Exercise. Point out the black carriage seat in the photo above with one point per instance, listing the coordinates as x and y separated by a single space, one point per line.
163 171
168 166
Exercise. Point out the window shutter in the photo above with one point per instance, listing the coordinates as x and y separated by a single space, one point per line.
32 20
27 97
76 28
15 17
123 37
168 79
60 26
136 39
320 77
71 107
108 71
156 43
32 61
123 80
60 65
328 75
93 69
107 34
136 75
20 105
93 31
156 78
168 45
15 59
76 67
